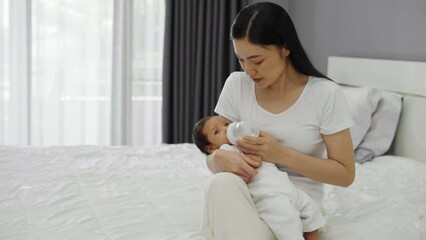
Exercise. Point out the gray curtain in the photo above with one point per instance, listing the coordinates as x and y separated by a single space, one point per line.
121 104
198 57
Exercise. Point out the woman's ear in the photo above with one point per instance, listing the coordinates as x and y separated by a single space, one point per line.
285 52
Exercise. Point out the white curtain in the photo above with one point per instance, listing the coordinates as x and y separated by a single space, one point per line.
147 61
14 72
78 72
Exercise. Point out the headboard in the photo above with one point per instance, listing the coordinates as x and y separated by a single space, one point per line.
404 77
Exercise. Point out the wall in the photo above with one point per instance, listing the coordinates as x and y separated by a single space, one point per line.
385 29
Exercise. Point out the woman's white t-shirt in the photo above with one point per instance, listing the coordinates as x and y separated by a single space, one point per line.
320 109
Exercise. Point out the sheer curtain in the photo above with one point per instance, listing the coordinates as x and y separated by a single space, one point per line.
60 80
147 64
14 72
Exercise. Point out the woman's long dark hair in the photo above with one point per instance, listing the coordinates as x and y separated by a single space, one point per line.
266 23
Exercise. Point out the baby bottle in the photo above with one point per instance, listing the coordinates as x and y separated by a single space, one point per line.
237 130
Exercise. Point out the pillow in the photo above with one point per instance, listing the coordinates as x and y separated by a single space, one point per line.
384 122
362 103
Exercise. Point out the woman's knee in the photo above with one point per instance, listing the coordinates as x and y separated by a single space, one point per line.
225 182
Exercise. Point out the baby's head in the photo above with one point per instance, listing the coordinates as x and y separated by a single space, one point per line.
209 133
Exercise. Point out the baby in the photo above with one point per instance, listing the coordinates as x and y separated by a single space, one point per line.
279 203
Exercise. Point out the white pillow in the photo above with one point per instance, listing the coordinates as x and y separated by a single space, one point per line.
384 122
362 103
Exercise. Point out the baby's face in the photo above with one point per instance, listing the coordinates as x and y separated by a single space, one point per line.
215 129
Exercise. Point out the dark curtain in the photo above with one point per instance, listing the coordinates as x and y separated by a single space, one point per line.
198 57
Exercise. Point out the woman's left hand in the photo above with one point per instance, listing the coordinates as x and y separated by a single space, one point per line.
265 146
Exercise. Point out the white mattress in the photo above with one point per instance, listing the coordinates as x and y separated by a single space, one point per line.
154 193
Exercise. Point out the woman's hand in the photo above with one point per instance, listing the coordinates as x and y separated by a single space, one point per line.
337 169
265 146
237 163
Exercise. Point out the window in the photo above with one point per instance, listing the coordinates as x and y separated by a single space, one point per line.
56 72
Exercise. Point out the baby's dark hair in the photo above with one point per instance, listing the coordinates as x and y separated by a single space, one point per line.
198 137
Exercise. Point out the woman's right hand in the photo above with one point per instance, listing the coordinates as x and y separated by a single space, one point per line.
237 163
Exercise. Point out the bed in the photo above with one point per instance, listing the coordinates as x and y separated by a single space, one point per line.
103 192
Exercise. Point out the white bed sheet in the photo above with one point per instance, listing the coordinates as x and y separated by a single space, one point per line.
92 192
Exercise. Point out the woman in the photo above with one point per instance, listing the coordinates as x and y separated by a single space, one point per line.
303 114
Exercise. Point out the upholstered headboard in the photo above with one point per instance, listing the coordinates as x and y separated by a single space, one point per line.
404 77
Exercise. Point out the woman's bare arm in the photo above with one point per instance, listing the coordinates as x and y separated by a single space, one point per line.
337 169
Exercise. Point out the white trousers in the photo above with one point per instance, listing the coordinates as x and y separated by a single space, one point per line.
235 210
